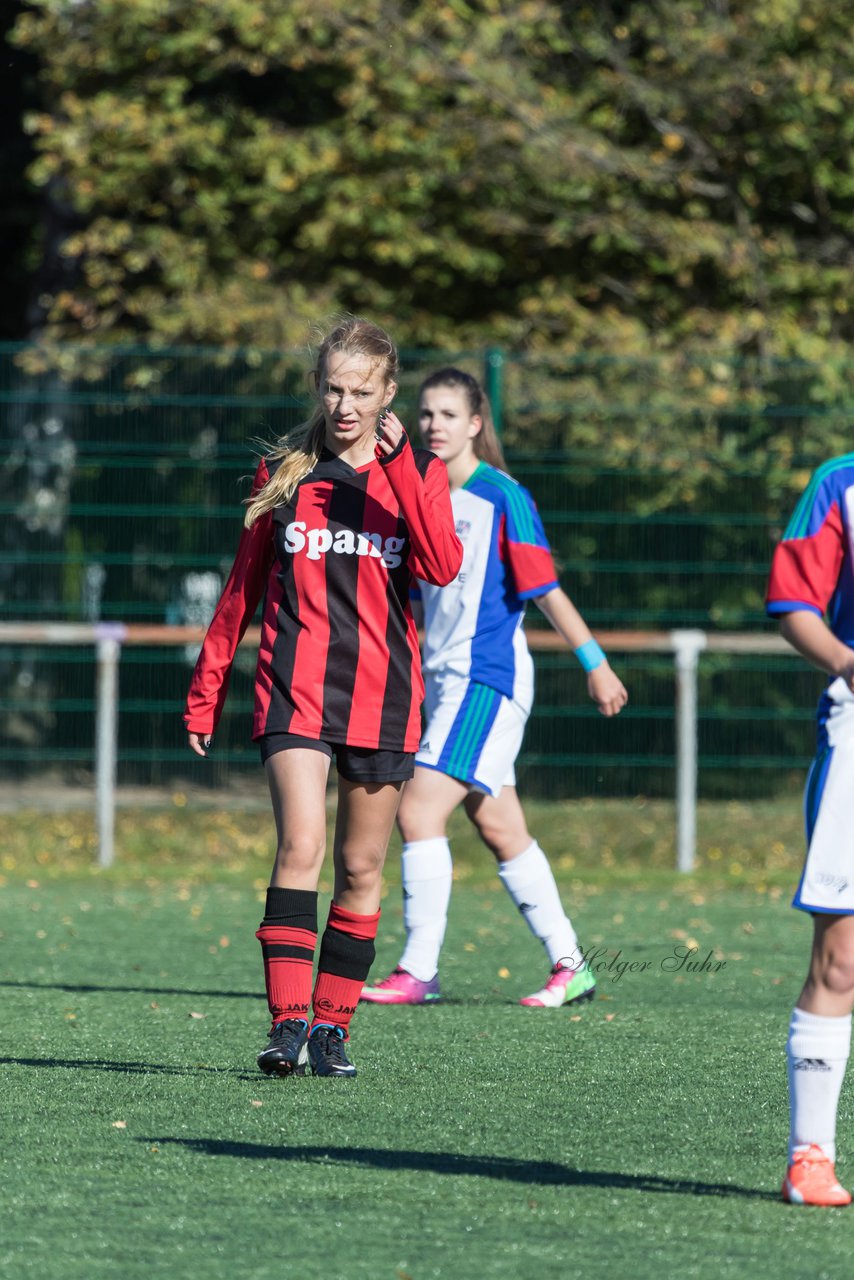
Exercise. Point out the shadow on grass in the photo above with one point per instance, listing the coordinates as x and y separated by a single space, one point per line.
487 1000
536 1172
130 1068
84 987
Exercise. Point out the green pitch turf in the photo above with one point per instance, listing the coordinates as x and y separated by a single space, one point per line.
641 1136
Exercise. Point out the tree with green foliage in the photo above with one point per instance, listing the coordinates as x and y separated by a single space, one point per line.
627 177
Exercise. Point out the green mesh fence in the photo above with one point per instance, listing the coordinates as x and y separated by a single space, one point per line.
663 485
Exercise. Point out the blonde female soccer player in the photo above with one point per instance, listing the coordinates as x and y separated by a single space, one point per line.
342 515
480 688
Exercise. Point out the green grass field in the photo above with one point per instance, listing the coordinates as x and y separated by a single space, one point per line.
642 1136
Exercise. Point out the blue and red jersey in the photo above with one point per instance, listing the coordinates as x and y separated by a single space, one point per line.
339 656
473 627
813 564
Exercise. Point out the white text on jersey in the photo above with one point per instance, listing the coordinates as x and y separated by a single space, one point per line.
316 543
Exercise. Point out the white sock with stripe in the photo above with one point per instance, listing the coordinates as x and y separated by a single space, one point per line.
529 881
426 872
817 1052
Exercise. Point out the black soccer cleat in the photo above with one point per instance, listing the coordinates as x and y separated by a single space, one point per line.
327 1055
286 1053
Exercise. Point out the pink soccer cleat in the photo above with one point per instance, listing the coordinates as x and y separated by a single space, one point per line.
565 986
401 988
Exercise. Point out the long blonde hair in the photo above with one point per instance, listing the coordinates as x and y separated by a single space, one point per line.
299 450
486 444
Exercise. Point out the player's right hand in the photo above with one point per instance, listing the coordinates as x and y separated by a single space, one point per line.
199 742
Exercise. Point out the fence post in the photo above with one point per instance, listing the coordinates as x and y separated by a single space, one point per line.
494 386
108 645
687 647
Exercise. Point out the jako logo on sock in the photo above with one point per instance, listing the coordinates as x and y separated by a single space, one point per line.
317 542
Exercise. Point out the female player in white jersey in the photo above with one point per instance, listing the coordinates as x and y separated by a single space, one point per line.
480 686
811 593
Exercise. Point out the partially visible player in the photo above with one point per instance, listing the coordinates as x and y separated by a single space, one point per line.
480 687
811 591
343 513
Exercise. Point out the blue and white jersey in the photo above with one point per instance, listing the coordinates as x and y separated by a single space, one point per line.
473 626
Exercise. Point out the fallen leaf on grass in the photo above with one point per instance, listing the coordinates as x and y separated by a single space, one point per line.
119 1124
609 1017
256 1102
198 1015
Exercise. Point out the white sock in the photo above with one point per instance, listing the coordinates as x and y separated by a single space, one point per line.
529 881
817 1052
426 871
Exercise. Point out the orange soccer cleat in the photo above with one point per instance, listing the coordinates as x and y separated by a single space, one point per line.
811 1179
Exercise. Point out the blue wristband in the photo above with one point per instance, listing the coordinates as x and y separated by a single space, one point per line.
590 655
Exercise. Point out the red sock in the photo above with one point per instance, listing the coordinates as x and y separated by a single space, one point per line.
346 955
288 936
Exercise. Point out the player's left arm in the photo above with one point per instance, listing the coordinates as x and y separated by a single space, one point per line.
815 641
526 552
603 684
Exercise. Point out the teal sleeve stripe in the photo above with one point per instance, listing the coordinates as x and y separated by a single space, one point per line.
517 501
799 523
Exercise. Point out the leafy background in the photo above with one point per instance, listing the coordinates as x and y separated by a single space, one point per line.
619 177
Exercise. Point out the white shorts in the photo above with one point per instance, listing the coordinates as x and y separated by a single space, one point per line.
473 733
827 883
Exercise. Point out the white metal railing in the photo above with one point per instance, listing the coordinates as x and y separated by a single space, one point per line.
108 639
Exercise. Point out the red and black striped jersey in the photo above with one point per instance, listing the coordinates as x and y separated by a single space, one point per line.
339 655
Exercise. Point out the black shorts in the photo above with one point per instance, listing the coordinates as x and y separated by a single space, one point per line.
356 764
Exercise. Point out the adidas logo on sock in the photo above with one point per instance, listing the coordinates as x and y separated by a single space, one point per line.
810 1064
